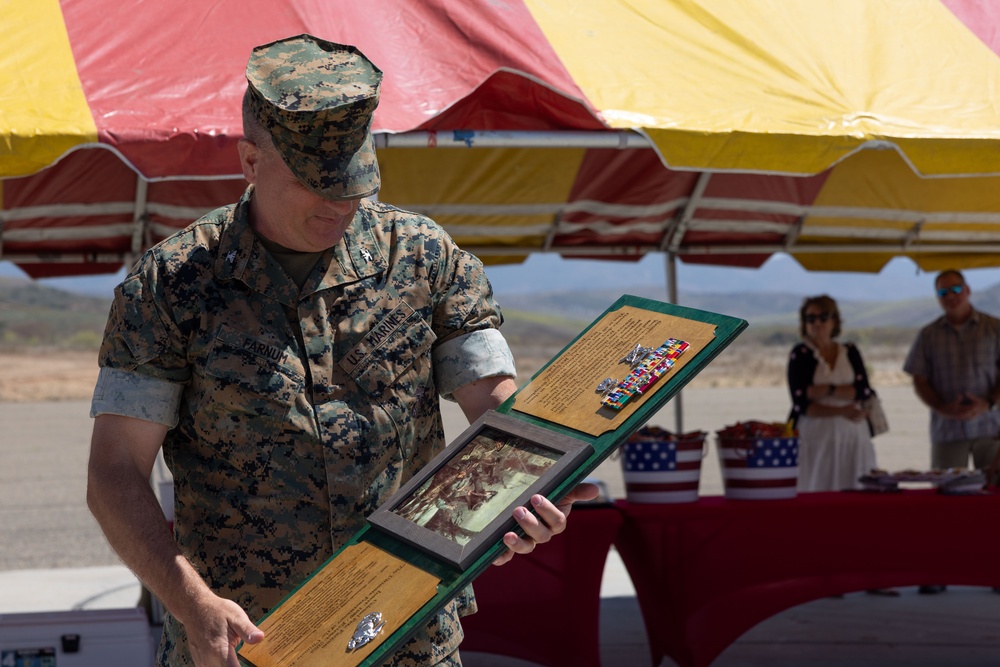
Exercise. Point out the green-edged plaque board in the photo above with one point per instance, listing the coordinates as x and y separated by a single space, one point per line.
445 526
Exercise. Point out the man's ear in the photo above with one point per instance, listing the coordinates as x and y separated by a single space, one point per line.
249 158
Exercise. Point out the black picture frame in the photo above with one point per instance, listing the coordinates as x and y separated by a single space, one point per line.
462 502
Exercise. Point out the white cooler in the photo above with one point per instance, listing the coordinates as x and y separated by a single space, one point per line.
95 638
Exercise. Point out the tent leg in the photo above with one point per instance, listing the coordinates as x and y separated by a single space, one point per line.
672 298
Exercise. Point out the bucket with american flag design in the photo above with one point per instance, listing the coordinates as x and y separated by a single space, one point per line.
759 461
660 467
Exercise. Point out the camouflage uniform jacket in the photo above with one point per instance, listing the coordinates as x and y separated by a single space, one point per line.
298 412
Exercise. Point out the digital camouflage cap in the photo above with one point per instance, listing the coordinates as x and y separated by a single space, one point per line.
316 98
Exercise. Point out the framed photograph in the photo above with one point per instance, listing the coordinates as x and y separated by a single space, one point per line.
462 502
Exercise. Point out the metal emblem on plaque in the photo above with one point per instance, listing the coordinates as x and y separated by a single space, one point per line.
368 628
606 385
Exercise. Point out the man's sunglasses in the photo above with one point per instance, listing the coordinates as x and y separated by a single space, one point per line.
812 318
954 289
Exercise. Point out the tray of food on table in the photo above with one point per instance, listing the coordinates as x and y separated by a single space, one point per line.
950 480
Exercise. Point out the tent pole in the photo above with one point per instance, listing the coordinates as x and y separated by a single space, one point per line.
672 298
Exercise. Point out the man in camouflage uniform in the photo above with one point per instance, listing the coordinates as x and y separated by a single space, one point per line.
287 353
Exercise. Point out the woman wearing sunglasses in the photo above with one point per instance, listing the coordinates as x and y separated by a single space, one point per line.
828 382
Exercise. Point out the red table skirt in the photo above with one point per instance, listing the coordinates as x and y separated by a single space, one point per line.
545 607
707 572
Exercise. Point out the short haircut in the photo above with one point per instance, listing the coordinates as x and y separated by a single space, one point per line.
827 305
946 273
253 129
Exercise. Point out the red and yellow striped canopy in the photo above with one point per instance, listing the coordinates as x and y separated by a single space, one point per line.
845 132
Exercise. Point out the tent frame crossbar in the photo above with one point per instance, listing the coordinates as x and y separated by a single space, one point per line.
909 232
612 139
623 252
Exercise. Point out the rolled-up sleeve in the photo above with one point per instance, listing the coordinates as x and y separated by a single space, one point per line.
132 394
143 364
464 359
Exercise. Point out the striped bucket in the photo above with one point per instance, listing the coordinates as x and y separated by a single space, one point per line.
660 467
758 461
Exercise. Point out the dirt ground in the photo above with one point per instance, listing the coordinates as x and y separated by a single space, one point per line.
47 375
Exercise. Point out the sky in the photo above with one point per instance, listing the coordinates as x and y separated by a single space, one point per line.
900 279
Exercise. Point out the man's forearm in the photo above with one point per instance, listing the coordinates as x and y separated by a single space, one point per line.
123 452
133 523
485 394
926 393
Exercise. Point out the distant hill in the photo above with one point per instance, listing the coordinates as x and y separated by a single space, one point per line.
763 308
32 314
899 280
773 317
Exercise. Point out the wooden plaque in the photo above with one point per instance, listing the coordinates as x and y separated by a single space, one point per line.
565 392
314 625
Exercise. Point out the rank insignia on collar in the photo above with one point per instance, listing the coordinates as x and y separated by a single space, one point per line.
367 256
